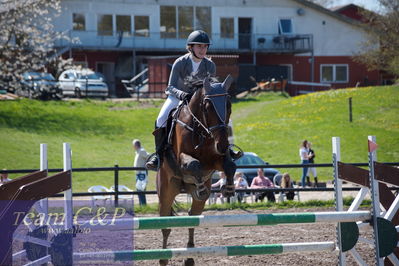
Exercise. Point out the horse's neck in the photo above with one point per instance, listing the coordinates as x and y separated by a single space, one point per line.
195 108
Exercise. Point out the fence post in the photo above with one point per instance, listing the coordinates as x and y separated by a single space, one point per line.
116 184
350 109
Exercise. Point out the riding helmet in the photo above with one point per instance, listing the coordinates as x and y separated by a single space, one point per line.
198 37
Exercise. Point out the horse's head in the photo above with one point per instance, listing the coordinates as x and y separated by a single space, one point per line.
215 107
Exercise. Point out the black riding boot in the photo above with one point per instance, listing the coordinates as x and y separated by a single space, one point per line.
308 181
160 139
316 183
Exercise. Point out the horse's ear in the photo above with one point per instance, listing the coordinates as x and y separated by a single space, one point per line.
227 82
207 84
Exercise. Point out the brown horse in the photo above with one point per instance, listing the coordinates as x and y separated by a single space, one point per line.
199 147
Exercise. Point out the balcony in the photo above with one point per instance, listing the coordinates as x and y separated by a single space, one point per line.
155 41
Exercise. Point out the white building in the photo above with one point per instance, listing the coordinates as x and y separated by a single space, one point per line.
295 39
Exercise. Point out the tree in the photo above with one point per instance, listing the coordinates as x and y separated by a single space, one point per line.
27 38
381 50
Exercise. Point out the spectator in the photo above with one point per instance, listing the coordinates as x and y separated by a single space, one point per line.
141 175
261 181
220 184
4 177
312 170
286 182
241 183
303 153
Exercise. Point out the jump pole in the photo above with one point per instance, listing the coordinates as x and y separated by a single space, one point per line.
153 254
68 207
375 198
145 223
336 152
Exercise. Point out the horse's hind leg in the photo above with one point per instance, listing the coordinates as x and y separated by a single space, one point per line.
196 209
167 191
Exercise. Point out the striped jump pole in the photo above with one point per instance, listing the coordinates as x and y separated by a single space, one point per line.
145 223
244 250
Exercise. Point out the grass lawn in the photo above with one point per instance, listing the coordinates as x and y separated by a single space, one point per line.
269 124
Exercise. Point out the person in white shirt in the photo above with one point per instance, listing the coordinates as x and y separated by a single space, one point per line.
241 183
304 155
141 175
4 177
220 184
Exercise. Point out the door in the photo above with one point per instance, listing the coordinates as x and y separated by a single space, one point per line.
67 82
244 33
108 70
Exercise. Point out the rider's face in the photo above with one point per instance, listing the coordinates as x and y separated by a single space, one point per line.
200 50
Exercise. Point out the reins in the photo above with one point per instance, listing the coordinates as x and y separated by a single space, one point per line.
207 130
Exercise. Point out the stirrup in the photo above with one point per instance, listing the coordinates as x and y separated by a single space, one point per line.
235 155
152 162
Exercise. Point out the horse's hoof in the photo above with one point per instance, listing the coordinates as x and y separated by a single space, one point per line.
163 262
201 195
189 262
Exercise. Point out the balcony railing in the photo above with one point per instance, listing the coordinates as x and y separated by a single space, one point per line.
294 43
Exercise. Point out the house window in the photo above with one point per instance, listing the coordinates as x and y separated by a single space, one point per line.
186 19
227 28
79 21
285 26
142 26
203 19
104 25
168 22
123 24
179 22
334 73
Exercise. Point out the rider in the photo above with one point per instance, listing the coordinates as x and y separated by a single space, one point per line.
195 63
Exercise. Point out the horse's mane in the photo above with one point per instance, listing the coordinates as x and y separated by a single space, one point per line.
195 82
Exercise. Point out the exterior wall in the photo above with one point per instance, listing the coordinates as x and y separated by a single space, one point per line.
301 69
159 69
334 40
265 15
351 11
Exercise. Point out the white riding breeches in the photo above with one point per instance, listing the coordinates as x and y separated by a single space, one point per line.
170 103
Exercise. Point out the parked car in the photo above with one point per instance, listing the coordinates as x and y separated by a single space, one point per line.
250 158
83 82
39 85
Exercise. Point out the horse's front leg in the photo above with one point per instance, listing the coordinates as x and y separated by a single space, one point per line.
229 168
192 171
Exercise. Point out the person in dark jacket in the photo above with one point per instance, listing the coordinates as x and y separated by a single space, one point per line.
311 156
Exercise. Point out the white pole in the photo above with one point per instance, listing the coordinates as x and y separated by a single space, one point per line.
336 148
44 166
68 208
375 199
68 193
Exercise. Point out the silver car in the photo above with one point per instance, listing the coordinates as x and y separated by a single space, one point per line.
83 82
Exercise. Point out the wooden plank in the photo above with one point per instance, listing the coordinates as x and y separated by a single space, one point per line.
386 173
353 174
7 190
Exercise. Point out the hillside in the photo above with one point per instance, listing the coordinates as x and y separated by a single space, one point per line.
269 124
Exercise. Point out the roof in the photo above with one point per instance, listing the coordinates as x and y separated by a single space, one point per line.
328 12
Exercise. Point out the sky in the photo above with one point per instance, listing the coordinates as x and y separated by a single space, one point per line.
372 5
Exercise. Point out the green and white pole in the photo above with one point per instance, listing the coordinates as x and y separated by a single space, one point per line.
244 250
145 223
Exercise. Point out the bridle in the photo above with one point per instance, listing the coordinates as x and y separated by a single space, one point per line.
206 132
